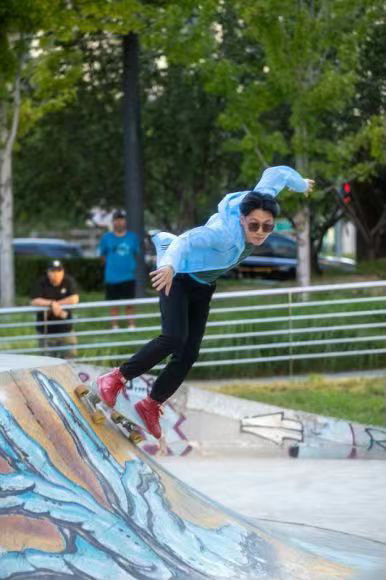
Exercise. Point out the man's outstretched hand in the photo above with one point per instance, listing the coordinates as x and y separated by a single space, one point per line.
310 186
162 278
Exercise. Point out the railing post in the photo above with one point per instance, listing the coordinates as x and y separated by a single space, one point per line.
385 399
290 327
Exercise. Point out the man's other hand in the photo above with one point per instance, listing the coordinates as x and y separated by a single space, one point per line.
162 278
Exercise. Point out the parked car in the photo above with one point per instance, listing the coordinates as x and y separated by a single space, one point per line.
277 258
338 262
49 247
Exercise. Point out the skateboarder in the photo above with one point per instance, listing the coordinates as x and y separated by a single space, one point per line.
187 268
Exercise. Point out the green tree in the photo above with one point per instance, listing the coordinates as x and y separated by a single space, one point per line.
367 145
74 156
187 168
36 53
16 22
34 79
287 107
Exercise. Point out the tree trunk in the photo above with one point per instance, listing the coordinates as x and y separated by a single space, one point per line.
7 277
302 220
303 270
133 165
315 268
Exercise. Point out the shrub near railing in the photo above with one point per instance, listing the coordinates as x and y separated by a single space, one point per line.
88 272
265 325
337 315
324 320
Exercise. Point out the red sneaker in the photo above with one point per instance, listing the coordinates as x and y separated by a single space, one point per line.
109 386
150 411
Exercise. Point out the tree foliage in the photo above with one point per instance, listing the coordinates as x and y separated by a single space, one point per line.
227 88
73 156
187 168
298 94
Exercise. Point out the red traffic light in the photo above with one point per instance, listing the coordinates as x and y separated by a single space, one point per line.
347 187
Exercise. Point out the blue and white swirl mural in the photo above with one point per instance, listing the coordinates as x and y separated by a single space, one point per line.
70 507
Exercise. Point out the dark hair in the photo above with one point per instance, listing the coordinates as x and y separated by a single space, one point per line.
254 200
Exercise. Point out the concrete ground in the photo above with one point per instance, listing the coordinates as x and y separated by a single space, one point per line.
342 495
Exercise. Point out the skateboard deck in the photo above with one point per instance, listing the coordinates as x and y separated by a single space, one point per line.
173 440
99 412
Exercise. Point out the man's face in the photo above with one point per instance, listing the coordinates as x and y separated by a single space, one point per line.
55 276
119 225
257 226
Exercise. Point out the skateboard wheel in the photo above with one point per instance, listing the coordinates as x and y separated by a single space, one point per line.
98 417
116 417
136 437
81 391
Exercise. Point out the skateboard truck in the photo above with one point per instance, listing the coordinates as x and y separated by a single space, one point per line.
84 395
99 413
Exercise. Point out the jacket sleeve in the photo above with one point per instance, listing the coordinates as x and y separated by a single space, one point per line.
274 179
193 242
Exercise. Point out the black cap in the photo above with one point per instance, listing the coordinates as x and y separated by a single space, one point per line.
55 265
119 213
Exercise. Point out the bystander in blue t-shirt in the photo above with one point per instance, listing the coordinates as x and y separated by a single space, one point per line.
120 253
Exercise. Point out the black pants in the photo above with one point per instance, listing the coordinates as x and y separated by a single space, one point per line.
184 314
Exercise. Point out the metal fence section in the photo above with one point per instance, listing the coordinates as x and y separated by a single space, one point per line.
276 326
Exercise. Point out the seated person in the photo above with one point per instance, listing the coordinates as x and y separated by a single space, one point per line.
55 289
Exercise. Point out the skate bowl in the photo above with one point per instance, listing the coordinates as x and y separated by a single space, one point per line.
77 500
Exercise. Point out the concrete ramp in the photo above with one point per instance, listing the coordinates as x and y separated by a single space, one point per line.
77 500
220 424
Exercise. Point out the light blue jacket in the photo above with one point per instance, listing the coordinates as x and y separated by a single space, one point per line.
219 243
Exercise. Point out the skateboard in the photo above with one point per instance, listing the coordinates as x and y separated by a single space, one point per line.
99 412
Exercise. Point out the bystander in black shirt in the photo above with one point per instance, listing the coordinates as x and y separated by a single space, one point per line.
44 289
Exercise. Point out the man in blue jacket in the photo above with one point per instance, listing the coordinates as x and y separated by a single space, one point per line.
187 269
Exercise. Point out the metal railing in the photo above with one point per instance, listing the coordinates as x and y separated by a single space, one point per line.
247 327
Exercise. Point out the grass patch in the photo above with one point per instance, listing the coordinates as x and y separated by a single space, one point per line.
360 400
372 268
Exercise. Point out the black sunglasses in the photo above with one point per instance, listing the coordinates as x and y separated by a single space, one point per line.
255 226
